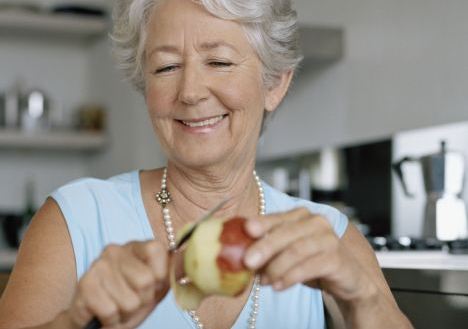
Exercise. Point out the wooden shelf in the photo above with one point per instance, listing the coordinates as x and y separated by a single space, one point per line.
17 22
54 140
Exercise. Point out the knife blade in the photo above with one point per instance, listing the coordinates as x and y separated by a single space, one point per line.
189 233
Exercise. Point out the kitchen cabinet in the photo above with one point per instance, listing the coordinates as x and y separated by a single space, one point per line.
430 287
431 298
433 310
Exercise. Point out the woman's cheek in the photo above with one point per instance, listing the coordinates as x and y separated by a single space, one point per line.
158 99
237 94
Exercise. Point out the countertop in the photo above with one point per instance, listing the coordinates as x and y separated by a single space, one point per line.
433 272
422 260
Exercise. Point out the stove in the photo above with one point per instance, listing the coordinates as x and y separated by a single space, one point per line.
428 278
387 243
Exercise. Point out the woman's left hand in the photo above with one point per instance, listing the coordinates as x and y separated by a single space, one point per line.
300 247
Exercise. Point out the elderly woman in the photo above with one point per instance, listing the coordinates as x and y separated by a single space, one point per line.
210 71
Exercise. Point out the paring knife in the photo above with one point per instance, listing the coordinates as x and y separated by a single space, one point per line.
96 324
189 233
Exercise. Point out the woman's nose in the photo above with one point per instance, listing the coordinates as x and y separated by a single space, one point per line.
192 86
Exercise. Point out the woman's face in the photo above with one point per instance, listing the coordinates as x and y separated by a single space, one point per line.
204 88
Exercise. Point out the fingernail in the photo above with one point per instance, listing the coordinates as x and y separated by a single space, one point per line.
278 285
253 259
255 227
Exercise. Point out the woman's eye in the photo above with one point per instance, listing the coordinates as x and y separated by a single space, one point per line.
166 69
220 64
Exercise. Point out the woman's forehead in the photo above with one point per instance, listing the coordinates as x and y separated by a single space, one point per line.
177 23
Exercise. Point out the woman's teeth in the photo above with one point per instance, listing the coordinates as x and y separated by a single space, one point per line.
204 123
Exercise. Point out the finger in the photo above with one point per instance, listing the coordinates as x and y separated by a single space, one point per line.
79 313
155 255
311 270
262 250
293 255
135 276
258 226
138 274
118 288
140 278
99 303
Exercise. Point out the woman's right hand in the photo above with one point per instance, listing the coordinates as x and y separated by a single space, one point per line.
122 286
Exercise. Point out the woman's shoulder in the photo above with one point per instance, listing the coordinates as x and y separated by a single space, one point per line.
91 184
101 211
89 197
278 201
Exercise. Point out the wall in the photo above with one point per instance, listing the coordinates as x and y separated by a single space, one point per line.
133 144
406 66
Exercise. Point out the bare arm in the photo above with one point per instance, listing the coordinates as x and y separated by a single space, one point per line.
121 287
44 277
382 302
300 247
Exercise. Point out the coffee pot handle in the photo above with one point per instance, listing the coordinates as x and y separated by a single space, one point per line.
398 168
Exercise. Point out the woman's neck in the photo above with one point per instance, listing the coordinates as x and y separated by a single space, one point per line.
195 192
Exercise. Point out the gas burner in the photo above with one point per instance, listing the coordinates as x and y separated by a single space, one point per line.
458 247
381 243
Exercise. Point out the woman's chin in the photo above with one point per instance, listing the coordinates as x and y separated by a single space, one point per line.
208 158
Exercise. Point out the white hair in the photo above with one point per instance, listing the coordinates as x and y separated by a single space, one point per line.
270 26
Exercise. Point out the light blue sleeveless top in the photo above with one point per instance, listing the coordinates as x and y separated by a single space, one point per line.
99 212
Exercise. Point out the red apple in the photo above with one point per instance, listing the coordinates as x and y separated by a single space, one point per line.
213 262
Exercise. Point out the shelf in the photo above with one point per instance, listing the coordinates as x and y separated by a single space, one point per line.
66 26
59 140
321 43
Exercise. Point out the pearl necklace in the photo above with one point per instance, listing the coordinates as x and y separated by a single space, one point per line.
164 198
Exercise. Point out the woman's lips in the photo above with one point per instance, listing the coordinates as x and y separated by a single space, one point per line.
204 125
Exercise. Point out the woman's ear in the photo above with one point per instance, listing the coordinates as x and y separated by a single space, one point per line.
274 95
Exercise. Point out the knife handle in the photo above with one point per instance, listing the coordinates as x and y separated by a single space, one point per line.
93 324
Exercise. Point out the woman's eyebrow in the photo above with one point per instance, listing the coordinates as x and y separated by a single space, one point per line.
217 44
204 46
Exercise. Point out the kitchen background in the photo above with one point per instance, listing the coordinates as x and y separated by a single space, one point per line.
401 65
380 80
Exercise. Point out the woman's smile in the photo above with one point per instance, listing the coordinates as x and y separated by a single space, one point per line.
202 125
